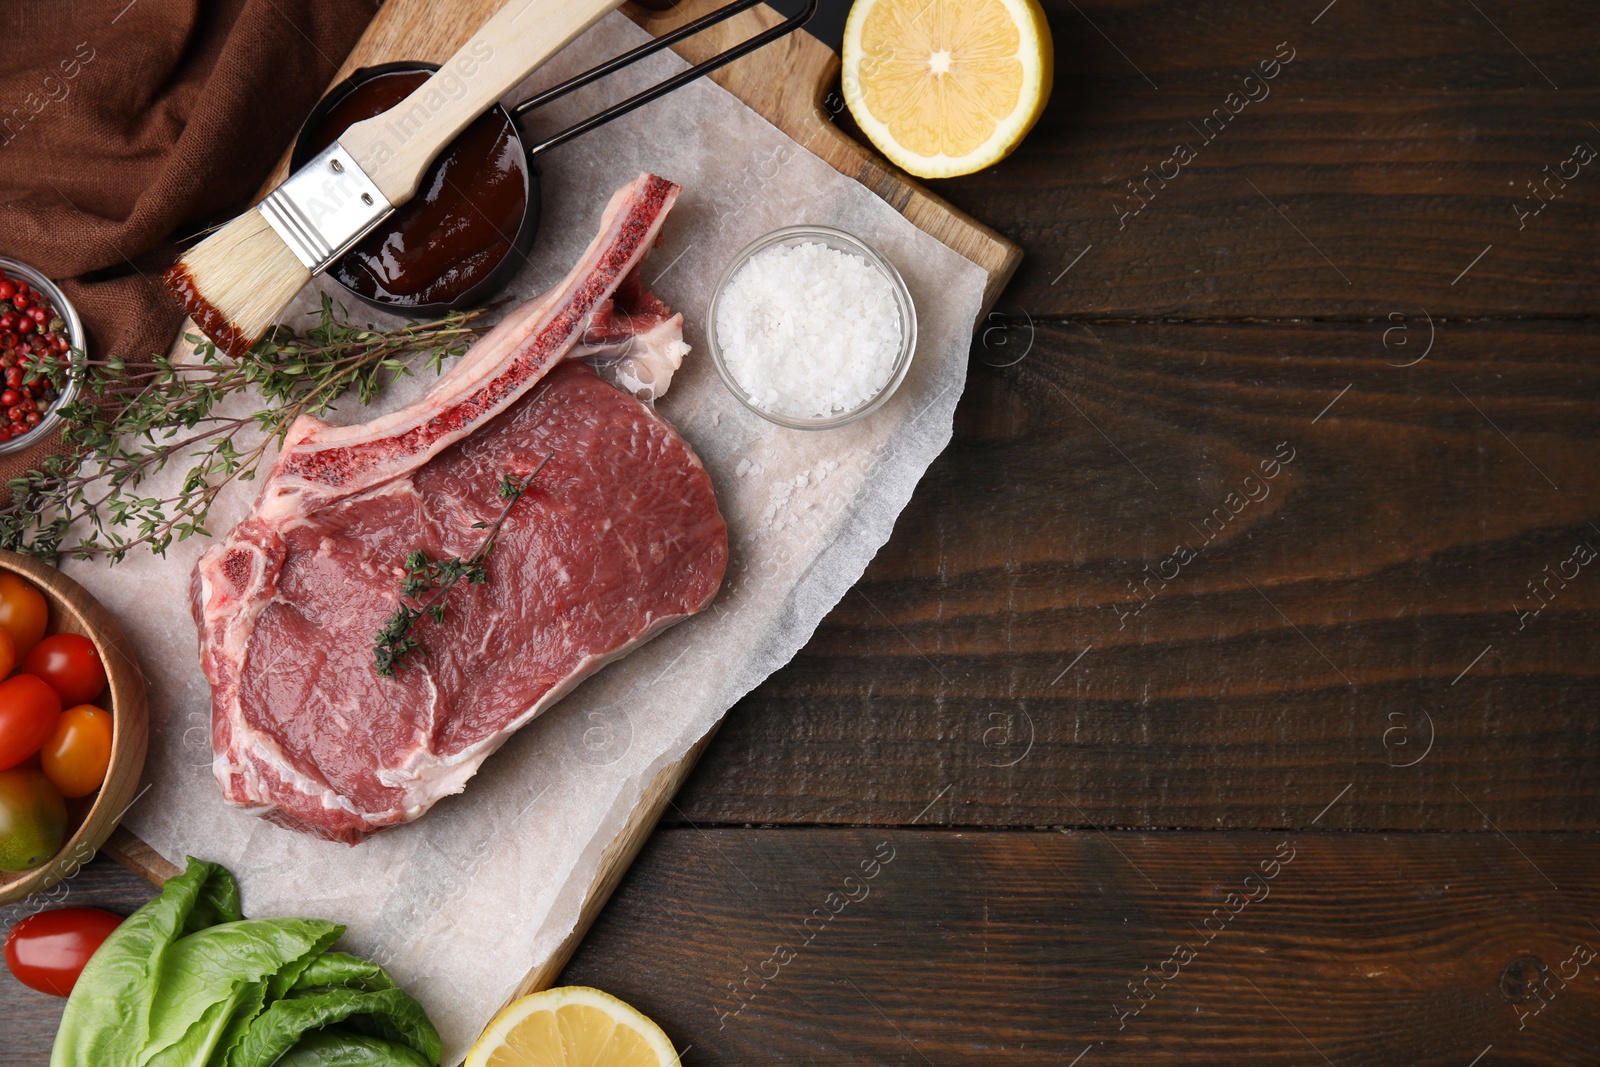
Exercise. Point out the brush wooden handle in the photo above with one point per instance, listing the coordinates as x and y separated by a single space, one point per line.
394 148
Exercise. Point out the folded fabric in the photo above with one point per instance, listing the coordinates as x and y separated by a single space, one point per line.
125 125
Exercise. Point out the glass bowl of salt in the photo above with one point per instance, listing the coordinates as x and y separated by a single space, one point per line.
811 328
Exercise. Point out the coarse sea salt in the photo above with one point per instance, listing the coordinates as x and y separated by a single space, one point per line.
808 331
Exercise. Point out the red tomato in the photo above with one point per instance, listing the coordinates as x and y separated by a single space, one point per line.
29 710
8 652
47 951
70 664
23 612
77 755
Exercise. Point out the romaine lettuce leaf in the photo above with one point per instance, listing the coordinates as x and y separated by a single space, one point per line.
335 1048
387 1016
217 975
107 1019
187 981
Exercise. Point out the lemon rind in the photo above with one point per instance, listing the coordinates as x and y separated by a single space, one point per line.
1036 53
493 1036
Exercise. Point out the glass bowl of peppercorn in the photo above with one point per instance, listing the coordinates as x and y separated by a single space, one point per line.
37 321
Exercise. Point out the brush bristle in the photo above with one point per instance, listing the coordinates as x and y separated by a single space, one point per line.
235 283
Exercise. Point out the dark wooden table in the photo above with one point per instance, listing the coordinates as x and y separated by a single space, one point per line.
1228 693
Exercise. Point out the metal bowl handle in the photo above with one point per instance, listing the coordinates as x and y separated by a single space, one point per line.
662 88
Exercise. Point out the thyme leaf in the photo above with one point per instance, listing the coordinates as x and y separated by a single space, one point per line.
130 421
425 587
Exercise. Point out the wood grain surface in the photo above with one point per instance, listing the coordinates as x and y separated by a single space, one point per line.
1019 948
614 860
1376 167
28 1018
1388 659
1322 635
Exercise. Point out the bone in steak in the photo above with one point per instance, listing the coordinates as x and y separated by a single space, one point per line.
618 537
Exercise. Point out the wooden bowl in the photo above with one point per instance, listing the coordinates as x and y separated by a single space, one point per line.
90 819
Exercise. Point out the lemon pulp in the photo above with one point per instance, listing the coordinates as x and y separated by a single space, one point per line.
571 1026
946 87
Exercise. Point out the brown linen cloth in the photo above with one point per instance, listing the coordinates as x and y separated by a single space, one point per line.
127 125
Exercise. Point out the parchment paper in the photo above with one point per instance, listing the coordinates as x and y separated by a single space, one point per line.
461 904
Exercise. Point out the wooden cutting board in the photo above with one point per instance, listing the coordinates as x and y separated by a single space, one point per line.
786 82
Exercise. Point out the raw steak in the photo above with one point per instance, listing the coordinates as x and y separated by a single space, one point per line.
618 537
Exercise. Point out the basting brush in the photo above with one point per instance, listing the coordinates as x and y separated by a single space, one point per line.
236 282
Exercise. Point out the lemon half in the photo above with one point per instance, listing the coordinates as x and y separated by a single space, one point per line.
947 87
571 1026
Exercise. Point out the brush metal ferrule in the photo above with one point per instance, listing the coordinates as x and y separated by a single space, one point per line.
325 207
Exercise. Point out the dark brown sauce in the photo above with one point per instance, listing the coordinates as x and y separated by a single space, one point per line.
213 323
460 225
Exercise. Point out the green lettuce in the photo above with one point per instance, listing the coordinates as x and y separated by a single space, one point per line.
188 981
334 1048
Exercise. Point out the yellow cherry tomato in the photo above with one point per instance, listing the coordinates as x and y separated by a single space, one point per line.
77 755
23 613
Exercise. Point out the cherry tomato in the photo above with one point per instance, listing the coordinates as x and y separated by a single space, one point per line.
23 610
33 820
77 755
8 652
29 710
47 951
70 664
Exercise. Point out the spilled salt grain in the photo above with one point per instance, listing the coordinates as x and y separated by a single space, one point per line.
808 331
786 506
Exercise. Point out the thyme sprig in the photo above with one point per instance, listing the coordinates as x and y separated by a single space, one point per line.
425 589
130 420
